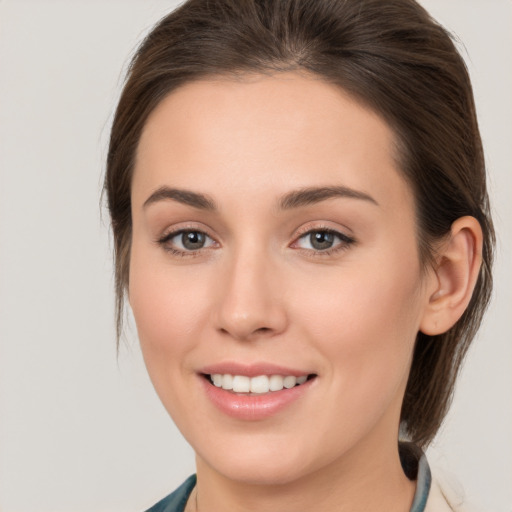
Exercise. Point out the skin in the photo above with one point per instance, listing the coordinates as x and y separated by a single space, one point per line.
259 291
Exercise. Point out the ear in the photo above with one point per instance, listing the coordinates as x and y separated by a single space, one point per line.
453 279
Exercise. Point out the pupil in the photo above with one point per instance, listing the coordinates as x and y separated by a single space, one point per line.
192 240
321 240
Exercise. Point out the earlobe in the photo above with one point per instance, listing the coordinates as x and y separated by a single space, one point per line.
458 264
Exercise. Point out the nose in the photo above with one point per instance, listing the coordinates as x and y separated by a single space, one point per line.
250 301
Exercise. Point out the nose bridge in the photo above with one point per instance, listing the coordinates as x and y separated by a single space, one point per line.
250 303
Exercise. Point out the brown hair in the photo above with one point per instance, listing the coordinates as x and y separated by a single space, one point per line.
390 55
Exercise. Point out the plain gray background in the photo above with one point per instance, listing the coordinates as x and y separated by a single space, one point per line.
83 431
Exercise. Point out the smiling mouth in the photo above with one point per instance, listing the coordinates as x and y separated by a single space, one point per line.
260 385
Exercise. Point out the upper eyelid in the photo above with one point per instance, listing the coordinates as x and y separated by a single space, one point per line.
345 239
309 228
326 229
172 234
173 230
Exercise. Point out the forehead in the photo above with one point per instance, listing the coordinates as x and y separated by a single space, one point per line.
286 130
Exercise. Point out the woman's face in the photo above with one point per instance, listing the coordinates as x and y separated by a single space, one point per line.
274 237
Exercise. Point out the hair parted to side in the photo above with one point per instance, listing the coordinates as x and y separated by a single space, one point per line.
391 56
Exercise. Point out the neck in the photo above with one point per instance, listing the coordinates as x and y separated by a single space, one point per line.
371 479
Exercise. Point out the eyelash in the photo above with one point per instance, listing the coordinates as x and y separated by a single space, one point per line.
164 241
344 242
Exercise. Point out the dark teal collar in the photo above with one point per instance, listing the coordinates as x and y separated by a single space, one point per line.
415 466
176 501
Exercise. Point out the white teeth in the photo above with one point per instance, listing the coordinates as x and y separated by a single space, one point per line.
289 381
241 384
275 383
227 381
260 384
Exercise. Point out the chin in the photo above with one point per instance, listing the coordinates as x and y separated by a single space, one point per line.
264 473
265 461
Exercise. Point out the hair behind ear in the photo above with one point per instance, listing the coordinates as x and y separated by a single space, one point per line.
446 330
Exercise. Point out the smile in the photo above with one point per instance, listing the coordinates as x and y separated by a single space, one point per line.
260 384
256 392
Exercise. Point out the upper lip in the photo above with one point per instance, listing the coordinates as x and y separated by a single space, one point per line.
251 370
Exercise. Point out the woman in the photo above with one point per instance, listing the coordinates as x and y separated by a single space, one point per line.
301 224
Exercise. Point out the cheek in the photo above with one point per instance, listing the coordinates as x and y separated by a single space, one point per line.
166 306
167 310
365 323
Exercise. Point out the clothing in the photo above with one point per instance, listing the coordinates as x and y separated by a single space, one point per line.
429 496
177 500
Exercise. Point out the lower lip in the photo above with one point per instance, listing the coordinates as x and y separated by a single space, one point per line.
253 407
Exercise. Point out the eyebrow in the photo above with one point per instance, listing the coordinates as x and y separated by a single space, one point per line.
313 195
194 199
294 199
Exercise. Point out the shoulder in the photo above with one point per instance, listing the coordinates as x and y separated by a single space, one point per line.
436 490
447 497
177 500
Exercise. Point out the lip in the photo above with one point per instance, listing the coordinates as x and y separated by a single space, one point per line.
252 407
252 370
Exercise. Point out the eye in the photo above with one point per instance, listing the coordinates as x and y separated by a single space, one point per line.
186 241
323 240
